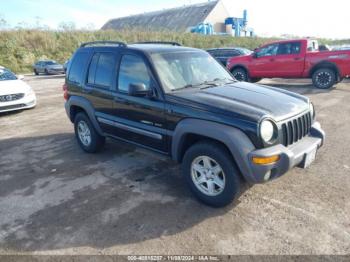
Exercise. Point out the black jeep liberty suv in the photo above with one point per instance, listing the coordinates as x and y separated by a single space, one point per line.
181 102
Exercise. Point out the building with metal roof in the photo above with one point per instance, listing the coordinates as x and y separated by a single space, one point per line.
181 19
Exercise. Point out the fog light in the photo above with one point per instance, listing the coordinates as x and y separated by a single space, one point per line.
267 176
266 160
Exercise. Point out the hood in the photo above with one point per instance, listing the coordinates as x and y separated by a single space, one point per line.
249 100
13 87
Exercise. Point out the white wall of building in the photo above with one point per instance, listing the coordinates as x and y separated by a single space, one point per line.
217 17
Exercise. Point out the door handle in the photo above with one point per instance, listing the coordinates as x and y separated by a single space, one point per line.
121 100
118 99
87 91
296 58
272 60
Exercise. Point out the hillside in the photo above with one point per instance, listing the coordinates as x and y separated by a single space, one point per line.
21 48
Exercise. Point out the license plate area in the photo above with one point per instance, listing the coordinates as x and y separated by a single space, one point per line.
310 158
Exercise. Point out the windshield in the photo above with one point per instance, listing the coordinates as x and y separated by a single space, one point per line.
7 75
51 63
179 70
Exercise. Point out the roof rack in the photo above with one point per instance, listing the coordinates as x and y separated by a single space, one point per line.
160 42
120 44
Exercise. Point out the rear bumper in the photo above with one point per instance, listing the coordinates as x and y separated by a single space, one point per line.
67 109
292 156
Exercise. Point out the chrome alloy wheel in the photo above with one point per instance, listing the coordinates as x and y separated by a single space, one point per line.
323 79
84 133
239 76
208 176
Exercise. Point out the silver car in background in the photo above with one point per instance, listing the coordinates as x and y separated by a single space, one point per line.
48 67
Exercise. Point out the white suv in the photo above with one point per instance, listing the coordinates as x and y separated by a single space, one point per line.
14 93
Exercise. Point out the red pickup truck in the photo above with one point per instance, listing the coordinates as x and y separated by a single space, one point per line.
292 59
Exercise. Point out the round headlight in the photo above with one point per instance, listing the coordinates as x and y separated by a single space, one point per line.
312 110
267 131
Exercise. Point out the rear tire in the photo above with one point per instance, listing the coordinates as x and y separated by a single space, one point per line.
324 78
240 74
211 174
88 138
36 72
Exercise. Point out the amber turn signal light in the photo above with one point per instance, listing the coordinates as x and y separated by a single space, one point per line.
266 160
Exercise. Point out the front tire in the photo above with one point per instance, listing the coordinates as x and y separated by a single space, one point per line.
324 78
88 138
36 72
240 74
211 174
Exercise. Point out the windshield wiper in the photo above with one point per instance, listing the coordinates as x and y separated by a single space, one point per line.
208 85
227 80
205 84
213 83
231 81
195 86
184 87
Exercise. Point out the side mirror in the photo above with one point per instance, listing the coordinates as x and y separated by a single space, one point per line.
138 89
255 55
20 77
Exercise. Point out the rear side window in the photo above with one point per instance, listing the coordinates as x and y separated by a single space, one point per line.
92 69
231 53
101 69
212 52
77 67
105 69
133 70
220 53
289 48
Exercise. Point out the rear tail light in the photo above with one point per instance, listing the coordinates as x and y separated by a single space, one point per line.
65 91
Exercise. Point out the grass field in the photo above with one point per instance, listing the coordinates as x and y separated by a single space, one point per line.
19 49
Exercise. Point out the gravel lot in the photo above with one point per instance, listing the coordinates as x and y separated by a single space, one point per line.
55 199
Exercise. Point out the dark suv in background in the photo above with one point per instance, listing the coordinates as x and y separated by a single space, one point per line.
223 54
181 102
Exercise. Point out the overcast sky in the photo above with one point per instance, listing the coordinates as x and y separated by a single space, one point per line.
329 19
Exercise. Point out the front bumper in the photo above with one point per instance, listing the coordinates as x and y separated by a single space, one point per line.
55 71
26 102
290 157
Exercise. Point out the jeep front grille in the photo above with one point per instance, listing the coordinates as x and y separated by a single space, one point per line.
295 129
